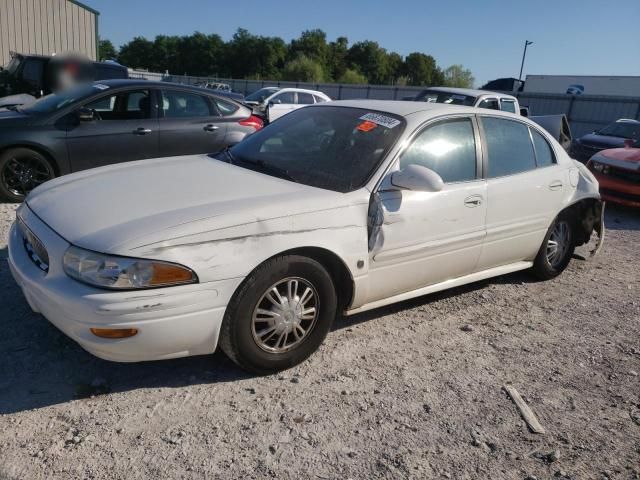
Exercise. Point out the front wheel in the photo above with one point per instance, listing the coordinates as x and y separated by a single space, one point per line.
556 250
280 316
22 170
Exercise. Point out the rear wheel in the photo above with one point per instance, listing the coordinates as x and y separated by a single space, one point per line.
556 250
280 316
22 170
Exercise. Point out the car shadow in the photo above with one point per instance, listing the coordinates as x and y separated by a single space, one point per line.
620 217
43 367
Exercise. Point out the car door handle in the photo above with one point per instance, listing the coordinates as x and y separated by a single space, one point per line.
210 128
473 201
142 131
555 185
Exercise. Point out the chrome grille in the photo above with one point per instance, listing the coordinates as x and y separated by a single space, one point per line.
34 247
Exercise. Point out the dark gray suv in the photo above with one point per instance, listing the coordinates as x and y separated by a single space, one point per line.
109 122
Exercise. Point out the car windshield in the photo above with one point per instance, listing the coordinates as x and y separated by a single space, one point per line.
55 101
435 96
261 94
335 148
622 130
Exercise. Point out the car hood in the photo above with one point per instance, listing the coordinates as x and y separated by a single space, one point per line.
601 141
627 158
118 208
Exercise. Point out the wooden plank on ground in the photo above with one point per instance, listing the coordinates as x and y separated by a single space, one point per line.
525 411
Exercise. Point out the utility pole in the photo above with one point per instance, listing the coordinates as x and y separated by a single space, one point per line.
524 54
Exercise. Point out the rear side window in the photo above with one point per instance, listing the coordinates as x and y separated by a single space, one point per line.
177 104
509 147
509 106
305 98
490 103
544 153
448 148
285 97
226 108
319 99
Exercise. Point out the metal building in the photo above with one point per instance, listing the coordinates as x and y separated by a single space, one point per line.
46 27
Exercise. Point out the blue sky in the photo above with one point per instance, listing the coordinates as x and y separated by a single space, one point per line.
580 37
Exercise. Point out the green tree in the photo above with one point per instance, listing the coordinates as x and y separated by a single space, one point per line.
138 53
370 59
303 69
337 62
106 50
422 69
458 76
311 44
352 76
395 66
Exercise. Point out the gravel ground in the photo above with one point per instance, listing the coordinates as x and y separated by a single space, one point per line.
409 391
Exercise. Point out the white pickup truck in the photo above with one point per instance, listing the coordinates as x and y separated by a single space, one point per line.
470 98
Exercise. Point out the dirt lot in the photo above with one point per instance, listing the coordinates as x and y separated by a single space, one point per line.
409 391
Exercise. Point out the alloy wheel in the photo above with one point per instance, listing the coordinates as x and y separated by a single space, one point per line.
22 174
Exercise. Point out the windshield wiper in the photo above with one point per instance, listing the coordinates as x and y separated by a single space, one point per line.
268 168
12 107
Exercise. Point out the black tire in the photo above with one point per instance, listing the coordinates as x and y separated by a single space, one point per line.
239 335
22 170
545 268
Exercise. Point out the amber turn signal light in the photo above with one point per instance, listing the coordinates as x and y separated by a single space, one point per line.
114 332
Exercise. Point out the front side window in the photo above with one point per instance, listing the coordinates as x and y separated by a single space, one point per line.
334 148
508 106
490 103
176 104
509 147
448 148
284 97
544 153
129 105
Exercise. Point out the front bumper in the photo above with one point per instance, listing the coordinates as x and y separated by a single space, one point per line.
172 322
618 191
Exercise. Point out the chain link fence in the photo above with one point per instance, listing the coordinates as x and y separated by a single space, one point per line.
584 112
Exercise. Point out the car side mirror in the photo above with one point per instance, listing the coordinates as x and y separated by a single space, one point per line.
85 114
417 178
524 111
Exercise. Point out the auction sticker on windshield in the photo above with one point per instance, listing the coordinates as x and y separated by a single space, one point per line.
380 119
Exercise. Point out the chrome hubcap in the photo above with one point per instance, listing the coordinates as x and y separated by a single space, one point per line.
285 315
558 243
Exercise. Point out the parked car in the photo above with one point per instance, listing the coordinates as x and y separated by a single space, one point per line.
611 136
110 122
618 173
273 102
470 98
222 89
27 77
339 207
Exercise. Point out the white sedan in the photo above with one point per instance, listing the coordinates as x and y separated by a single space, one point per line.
337 208
273 102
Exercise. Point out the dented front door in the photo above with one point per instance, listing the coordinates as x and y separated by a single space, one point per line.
422 238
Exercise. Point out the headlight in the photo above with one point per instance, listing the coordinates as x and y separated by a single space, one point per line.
123 273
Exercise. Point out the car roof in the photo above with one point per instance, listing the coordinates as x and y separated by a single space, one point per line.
133 82
468 91
304 90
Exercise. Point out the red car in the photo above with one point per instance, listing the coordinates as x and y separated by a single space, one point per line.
618 172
